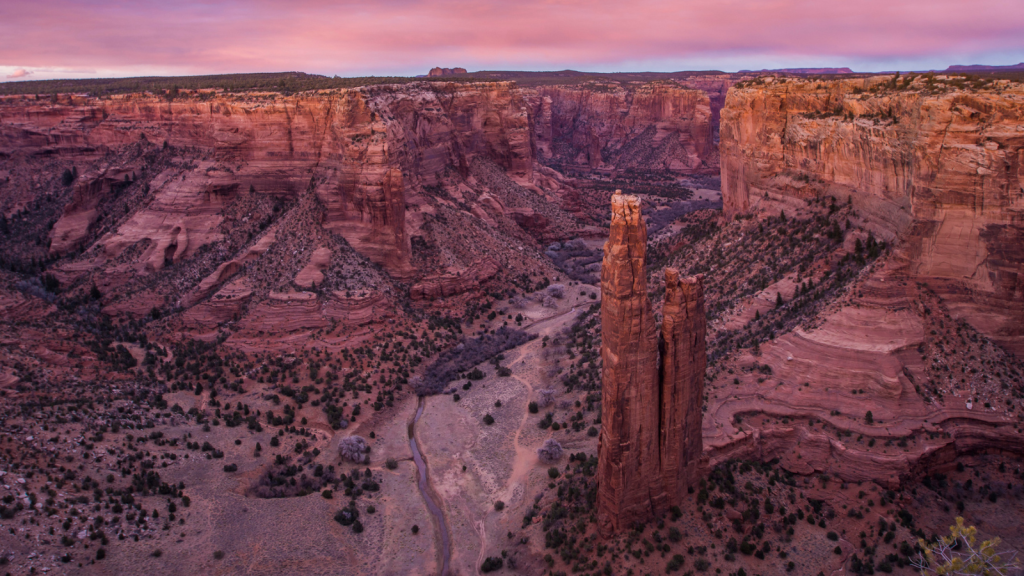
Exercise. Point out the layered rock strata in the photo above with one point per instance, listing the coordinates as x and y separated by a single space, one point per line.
937 164
650 424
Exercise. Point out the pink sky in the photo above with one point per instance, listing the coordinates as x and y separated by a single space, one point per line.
88 38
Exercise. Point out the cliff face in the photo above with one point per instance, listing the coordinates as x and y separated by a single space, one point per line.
362 152
650 443
941 167
651 128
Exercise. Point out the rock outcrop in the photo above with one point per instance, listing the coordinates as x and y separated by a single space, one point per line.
444 285
650 422
938 165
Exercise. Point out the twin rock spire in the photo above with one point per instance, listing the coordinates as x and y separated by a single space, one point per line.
650 445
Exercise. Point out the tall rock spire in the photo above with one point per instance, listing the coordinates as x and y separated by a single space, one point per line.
650 438
683 362
628 485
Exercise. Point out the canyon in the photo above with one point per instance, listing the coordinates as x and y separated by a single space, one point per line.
208 295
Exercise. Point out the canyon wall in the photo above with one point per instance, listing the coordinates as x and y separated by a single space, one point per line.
369 154
650 443
939 166
650 128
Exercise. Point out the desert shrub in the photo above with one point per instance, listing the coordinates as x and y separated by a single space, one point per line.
532 406
499 505
492 563
391 464
553 473
231 467
488 419
346 516
219 554
545 398
556 291
354 449
550 452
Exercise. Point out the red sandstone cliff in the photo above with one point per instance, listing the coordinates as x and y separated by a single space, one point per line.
192 188
940 166
654 127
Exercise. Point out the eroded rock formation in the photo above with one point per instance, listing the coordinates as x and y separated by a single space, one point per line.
650 423
683 362
937 165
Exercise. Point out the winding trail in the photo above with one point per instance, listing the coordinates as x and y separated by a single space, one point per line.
424 486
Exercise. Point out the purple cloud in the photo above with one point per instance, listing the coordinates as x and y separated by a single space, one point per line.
350 37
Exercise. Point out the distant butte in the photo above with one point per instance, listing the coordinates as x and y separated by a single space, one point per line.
446 71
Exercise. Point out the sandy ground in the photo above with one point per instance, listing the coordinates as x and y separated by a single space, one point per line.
473 465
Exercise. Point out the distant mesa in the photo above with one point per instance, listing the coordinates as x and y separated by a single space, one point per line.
446 71
800 71
985 68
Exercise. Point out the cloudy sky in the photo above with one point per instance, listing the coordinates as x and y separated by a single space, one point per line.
100 38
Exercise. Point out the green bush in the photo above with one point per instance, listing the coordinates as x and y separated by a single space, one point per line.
553 472
492 563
